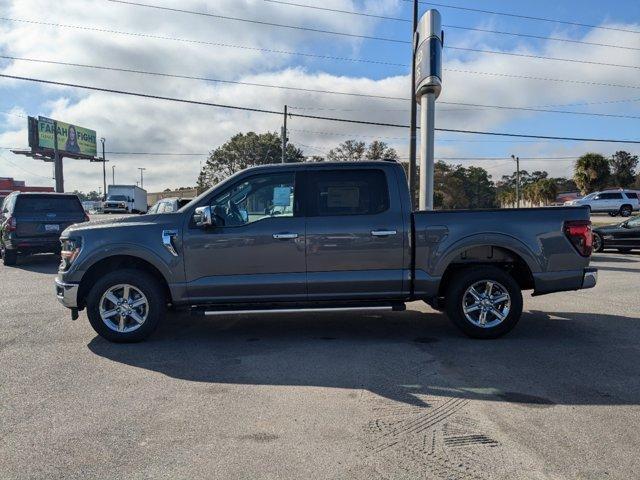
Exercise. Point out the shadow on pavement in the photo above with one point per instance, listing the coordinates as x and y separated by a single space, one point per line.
568 358
617 259
41 263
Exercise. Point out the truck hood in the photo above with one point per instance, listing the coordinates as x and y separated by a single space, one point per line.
111 223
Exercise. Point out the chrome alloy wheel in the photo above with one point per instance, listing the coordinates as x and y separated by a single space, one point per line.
486 303
123 308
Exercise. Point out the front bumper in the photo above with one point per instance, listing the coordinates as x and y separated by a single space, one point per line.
67 293
589 278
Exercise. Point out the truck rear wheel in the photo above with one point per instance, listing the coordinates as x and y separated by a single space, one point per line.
126 306
484 302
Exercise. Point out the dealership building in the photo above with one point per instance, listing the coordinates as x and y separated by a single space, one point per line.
8 185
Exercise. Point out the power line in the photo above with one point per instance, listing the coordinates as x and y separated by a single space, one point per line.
540 37
204 42
299 115
456 27
261 22
353 35
541 57
24 170
544 79
344 59
335 10
329 92
526 17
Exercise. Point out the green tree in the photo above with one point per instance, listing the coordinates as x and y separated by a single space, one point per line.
623 168
242 151
591 172
349 150
378 150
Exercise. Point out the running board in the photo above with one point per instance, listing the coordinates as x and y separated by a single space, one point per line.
370 308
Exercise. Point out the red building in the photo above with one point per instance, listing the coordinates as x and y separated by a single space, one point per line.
8 185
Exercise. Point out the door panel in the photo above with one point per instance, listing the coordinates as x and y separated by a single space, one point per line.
258 252
355 235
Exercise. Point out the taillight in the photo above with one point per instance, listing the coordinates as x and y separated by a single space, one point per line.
580 234
12 225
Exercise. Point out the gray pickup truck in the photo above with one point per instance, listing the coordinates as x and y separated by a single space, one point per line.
320 237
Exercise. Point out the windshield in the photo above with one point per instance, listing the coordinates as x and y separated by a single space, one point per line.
589 197
117 198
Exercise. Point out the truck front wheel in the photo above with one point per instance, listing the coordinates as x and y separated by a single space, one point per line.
484 302
126 305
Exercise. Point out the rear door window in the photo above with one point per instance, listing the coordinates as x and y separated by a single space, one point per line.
347 192
44 204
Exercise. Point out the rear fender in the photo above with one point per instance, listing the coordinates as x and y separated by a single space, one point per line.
442 259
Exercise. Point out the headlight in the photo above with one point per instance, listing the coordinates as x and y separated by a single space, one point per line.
70 251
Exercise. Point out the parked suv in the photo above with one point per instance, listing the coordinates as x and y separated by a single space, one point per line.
613 202
32 222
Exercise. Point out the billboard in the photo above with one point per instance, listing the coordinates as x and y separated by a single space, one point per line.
71 138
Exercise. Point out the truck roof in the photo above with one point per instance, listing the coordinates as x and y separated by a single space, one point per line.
321 165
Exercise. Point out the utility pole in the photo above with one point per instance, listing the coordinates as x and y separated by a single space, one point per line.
57 161
414 109
113 174
104 170
142 169
428 86
517 159
284 135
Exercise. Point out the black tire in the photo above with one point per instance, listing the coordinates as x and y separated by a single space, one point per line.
9 257
456 293
598 242
142 281
626 211
613 214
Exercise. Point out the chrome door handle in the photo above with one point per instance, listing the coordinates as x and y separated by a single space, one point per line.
167 241
383 233
285 236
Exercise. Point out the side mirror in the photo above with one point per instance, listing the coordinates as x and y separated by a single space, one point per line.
203 217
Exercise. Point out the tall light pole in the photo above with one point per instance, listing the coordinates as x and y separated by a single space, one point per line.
517 159
142 169
104 170
428 72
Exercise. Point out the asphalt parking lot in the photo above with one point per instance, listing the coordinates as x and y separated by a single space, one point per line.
330 396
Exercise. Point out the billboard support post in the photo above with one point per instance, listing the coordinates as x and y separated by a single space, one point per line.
428 85
57 159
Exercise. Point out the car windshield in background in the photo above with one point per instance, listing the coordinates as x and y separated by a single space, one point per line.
29 204
117 198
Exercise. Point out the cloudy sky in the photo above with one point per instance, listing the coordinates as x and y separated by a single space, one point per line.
125 36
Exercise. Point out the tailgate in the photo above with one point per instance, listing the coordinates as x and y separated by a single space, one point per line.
46 217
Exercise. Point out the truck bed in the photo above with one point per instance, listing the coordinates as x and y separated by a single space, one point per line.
533 236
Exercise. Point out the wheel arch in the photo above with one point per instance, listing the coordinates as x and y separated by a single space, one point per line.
116 262
518 262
